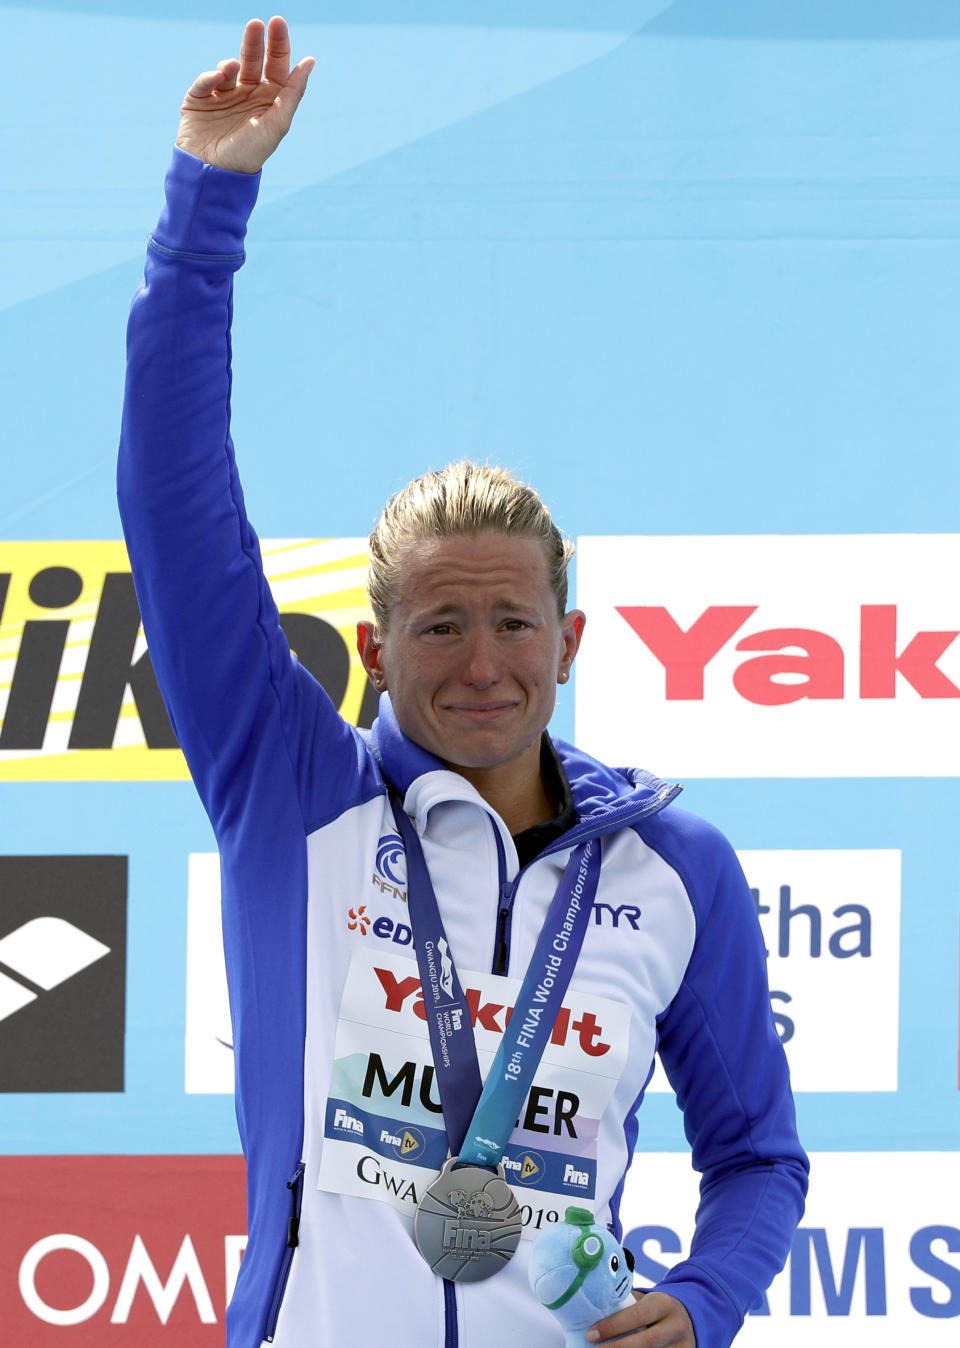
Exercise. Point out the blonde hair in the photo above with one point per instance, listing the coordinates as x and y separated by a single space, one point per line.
463 498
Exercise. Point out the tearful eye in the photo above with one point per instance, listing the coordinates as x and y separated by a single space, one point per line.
614 1263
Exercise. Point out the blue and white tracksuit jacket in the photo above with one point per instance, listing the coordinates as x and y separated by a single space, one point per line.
298 803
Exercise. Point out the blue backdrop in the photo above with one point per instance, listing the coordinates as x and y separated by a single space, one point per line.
691 267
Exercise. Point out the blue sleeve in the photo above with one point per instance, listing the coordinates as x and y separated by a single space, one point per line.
720 1049
245 712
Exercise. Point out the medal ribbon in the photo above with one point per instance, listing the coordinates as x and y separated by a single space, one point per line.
480 1118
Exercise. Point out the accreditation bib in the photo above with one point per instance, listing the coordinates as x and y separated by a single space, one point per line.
384 1134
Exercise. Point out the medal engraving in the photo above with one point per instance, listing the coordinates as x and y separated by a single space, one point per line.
467 1225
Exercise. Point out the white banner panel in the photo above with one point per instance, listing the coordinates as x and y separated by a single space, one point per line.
876 1260
209 1032
771 656
831 925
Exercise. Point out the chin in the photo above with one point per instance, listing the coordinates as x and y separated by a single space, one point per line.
476 757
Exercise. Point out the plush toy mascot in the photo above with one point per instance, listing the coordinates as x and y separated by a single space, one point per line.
580 1272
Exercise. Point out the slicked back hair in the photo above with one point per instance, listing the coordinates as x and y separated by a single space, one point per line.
464 498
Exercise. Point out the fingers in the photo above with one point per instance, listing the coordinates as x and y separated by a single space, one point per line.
204 85
229 69
251 53
265 55
251 101
655 1321
288 99
300 74
277 65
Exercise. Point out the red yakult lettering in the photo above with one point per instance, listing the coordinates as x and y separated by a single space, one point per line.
397 991
817 671
821 667
685 655
917 662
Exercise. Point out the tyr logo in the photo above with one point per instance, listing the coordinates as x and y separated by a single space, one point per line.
604 914
782 675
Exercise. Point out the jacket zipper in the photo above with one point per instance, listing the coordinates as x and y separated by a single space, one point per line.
295 1186
579 833
508 888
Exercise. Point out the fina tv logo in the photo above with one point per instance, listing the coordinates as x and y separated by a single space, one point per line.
44 952
527 1168
407 1145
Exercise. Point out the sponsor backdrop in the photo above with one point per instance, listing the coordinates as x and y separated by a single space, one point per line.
692 268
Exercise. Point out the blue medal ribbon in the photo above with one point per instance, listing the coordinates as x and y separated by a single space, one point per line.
480 1118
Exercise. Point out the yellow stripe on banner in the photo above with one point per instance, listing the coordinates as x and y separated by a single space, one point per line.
130 763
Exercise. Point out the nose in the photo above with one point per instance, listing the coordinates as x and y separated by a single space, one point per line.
481 668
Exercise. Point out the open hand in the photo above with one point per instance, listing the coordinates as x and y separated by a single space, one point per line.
237 115
655 1321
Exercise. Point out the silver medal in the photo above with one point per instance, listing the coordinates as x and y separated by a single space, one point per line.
467 1224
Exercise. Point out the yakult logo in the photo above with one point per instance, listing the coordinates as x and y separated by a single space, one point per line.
782 675
401 994
772 656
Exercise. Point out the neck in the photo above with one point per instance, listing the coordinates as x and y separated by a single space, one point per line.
516 790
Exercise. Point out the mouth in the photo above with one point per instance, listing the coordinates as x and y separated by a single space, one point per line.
622 1285
480 712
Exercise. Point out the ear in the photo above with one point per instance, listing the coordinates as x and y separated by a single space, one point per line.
370 649
571 630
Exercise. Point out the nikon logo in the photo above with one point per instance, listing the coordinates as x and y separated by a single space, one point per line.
78 695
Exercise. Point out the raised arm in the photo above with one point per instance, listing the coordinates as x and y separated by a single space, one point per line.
221 658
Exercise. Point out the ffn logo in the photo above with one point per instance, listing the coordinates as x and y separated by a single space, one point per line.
781 676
